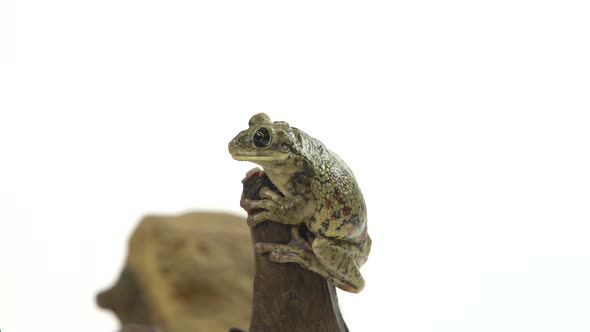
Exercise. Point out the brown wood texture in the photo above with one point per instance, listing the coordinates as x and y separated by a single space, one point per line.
286 296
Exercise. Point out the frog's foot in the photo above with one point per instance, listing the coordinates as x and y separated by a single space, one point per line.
267 193
292 210
275 207
284 253
265 208
269 200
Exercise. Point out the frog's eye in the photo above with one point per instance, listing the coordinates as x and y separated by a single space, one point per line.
261 137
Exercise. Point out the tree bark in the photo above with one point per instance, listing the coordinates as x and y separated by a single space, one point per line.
286 296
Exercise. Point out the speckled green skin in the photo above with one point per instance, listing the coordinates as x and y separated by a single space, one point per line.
319 191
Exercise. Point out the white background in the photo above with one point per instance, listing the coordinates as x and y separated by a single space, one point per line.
466 124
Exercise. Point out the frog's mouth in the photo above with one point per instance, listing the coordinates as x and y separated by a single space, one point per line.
259 158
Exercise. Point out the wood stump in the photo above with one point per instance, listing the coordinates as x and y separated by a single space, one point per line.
287 297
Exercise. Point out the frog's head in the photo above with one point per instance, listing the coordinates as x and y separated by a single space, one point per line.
263 142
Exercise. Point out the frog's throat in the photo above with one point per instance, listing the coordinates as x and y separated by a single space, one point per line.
260 158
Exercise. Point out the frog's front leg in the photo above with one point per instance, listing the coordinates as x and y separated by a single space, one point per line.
284 253
290 211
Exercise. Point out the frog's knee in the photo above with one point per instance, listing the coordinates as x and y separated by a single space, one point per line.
321 244
330 252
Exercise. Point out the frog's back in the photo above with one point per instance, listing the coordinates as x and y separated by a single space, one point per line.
341 211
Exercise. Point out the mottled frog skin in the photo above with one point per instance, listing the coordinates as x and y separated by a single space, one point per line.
320 199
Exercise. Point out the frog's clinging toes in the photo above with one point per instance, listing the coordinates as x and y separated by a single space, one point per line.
320 198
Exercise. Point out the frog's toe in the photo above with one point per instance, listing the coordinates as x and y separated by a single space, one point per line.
281 257
250 205
264 204
289 256
262 247
245 204
284 253
255 219
266 192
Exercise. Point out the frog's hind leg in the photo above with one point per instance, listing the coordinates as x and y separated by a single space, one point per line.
284 253
335 257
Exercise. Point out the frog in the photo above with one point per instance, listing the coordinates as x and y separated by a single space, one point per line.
316 194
